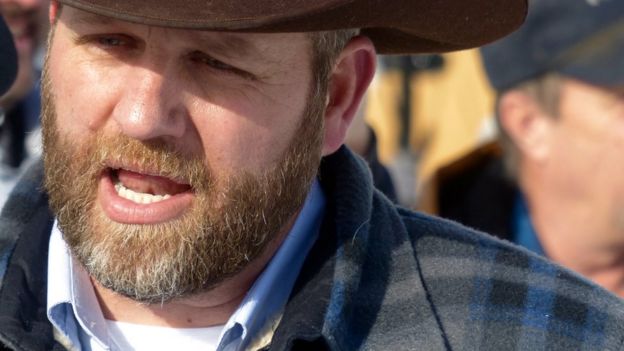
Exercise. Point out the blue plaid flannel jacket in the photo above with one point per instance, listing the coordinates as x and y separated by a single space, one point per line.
378 278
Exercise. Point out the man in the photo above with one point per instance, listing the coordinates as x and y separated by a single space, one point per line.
560 108
8 59
184 207
23 19
19 107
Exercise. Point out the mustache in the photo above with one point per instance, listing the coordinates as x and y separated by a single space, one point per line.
154 157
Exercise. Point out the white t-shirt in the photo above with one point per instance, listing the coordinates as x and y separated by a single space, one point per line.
128 336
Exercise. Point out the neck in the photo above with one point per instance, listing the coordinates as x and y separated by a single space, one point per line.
610 278
573 236
210 308
600 263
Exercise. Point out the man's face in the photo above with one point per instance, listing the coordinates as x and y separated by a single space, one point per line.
24 19
174 156
585 167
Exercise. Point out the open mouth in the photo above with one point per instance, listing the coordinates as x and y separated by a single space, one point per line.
138 197
143 188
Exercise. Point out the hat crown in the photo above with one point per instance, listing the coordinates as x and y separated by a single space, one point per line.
556 33
394 26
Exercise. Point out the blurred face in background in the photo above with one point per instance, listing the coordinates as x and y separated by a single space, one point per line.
27 22
584 163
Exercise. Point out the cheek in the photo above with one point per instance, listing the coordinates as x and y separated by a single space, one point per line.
609 169
249 127
589 164
249 138
83 96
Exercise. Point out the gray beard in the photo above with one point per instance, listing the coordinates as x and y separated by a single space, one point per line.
229 225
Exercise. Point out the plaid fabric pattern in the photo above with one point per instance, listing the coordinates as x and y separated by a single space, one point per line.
535 303
494 296
378 278
25 225
385 278
26 199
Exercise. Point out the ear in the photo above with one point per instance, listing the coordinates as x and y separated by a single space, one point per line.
53 11
527 124
353 71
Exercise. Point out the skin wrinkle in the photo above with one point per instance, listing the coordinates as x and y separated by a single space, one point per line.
228 45
201 85
244 88
257 84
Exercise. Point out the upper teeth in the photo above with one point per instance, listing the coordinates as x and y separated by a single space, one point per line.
139 198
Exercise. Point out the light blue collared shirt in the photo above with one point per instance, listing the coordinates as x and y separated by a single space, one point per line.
74 311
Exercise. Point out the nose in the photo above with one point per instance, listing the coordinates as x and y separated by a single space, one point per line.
151 106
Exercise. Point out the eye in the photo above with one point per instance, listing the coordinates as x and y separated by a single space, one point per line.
110 42
204 59
212 63
207 60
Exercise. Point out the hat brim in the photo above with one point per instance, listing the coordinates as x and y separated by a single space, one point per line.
8 58
600 59
395 26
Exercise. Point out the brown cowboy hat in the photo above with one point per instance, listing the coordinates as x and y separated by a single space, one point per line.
395 26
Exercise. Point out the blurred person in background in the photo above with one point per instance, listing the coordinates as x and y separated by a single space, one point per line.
19 107
8 58
361 139
556 184
426 111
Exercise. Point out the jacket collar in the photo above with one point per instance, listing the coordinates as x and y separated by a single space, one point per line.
346 287
339 296
25 226
315 312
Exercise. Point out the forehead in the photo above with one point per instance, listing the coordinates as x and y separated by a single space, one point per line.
583 105
574 87
253 45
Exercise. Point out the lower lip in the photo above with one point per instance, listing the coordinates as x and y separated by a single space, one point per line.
122 210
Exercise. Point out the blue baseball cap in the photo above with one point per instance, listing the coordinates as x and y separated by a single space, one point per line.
8 58
583 39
